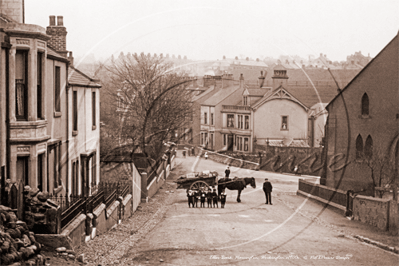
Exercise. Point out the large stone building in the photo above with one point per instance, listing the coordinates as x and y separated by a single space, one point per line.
363 124
37 106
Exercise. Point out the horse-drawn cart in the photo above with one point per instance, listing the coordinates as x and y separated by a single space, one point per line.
196 181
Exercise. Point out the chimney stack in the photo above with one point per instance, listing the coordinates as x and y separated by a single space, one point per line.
241 81
70 58
52 20
262 79
58 35
280 77
60 21
13 10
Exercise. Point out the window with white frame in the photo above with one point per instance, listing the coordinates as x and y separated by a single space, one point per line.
245 144
284 122
246 122
230 120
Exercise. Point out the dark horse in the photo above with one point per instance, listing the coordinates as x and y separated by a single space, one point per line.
235 184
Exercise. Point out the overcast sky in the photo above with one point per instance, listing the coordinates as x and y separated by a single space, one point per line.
210 29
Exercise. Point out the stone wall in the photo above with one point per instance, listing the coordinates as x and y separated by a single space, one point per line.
373 211
86 227
285 159
156 183
227 160
393 217
381 213
332 197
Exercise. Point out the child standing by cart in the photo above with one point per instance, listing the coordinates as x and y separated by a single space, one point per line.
215 199
223 198
196 196
202 196
209 197
190 196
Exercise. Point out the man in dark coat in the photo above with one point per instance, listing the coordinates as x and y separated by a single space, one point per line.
267 188
227 172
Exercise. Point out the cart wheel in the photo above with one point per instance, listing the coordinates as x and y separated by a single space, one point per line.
198 184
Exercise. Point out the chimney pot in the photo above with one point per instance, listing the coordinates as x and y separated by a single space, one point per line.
60 21
236 58
247 58
52 20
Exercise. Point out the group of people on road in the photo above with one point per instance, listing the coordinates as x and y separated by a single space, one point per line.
202 195
212 198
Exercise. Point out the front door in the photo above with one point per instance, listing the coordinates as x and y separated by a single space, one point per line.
230 143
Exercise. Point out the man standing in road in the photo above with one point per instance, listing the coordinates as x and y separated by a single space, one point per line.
267 188
227 172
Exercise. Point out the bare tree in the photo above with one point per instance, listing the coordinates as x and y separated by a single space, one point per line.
150 100
381 171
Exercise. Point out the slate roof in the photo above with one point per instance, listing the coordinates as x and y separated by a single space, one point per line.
257 91
316 75
208 91
221 95
51 53
310 96
78 78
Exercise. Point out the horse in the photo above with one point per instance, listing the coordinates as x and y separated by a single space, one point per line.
235 184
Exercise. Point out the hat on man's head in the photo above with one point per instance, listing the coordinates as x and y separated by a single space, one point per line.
266 179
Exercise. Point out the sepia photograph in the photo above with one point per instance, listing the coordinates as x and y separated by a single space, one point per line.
175 132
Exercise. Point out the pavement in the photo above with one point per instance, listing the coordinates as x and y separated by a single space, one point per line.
333 218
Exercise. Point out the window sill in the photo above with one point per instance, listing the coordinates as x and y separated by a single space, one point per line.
57 190
284 129
75 132
93 127
57 114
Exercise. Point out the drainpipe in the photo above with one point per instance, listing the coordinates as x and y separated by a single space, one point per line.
312 131
8 148
67 131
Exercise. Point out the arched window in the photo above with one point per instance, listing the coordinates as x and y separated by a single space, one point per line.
365 104
368 148
359 147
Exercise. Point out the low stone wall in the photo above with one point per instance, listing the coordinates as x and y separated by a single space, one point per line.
155 184
393 222
149 190
373 211
328 194
112 215
86 227
224 159
381 213
100 216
